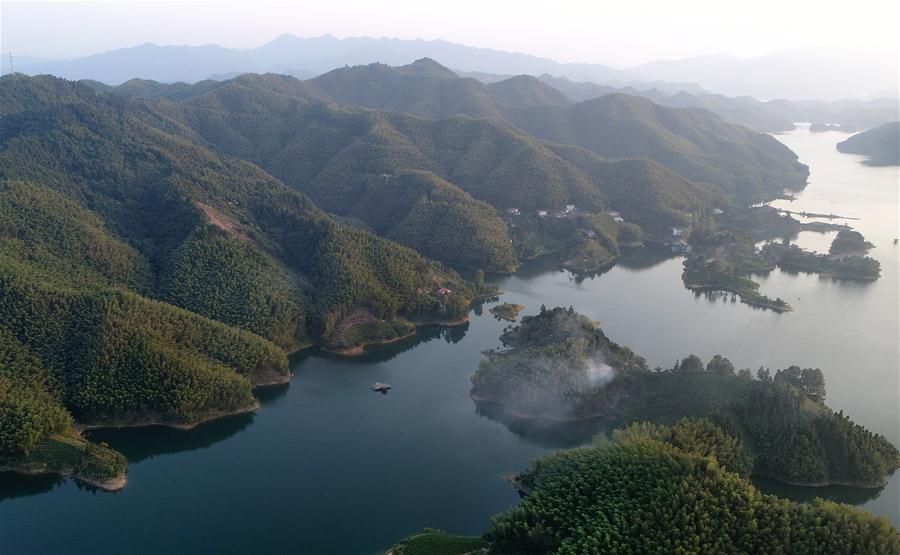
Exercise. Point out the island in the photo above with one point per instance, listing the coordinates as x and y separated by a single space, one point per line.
849 242
714 274
819 127
559 366
724 253
840 266
507 311
881 145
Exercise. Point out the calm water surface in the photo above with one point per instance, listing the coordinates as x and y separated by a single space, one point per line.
328 466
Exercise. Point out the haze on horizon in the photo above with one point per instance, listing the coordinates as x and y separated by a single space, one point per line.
619 35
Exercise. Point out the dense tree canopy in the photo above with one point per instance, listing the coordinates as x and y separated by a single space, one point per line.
668 490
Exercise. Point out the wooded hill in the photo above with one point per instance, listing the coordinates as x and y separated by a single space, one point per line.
657 489
149 279
694 143
881 145
340 155
559 366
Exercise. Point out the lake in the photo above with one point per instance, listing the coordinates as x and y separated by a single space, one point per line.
329 466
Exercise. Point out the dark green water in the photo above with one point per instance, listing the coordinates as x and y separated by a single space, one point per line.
328 466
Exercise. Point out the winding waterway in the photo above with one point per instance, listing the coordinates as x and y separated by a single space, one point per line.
329 466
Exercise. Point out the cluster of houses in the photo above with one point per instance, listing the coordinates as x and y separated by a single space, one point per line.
569 210
616 216
442 291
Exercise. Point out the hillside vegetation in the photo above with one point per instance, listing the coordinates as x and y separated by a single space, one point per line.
559 366
694 143
274 120
669 490
881 145
147 279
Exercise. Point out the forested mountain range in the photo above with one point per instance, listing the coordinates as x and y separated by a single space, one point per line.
145 278
694 143
770 116
165 246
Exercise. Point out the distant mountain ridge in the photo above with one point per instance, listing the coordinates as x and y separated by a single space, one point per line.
289 54
795 74
773 116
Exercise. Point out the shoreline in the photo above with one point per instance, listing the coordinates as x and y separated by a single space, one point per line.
81 427
788 482
358 350
750 302
526 416
115 484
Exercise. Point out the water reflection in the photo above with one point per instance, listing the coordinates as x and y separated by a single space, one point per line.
383 353
13 484
646 257
140 444
543 432
806 494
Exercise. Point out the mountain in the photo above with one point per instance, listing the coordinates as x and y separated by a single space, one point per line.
745 111
146 61
861 114
272 121
427 89
792 74
881 145
694 143
289 54
525 91
154 280
423 88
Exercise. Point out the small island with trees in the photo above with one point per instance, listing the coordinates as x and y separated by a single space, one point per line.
507 311
725 253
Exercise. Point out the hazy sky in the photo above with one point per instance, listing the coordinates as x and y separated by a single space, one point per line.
618 33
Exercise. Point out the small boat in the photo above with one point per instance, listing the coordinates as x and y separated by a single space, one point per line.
381 387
